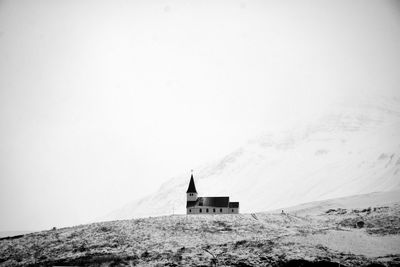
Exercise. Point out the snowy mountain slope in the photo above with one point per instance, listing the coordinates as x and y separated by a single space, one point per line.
360 202
352 149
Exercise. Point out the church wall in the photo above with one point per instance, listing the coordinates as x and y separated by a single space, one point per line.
196 210
233 210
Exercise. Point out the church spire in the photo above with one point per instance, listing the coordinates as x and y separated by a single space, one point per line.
192 187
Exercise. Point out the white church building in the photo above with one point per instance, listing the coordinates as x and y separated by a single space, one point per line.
208 205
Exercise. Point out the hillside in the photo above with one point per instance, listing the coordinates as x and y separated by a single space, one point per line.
349 237
353 148
350 203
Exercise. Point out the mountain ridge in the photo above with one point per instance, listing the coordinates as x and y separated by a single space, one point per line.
352 149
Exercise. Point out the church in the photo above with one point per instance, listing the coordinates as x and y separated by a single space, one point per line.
208 205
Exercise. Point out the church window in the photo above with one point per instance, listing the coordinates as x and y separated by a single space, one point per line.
200 210
206 210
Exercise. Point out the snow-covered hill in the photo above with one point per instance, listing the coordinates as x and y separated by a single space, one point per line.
368 237
355 202
354 148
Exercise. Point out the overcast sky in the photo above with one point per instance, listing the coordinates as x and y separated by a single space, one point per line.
102 101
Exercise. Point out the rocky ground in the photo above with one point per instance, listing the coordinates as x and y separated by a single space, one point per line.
361 237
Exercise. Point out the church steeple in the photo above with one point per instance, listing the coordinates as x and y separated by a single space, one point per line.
191 193
192 187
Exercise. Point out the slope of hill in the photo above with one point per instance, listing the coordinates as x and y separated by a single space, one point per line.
334 237
377 199
13 233
352 149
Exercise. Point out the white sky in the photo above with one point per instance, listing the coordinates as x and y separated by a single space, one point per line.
102 101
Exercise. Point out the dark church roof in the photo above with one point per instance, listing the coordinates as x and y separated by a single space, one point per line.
192 187
190 204
219 202
233 204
